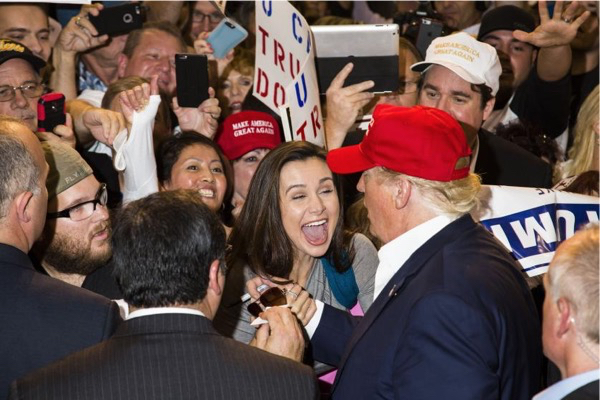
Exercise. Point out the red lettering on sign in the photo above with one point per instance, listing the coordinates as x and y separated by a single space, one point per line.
314 117
262 83
278 95
300 131
264 35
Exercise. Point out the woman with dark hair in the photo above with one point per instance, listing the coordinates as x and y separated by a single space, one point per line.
290 230
192 161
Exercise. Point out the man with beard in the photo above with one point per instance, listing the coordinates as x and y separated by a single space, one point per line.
75 240
42 319
537 61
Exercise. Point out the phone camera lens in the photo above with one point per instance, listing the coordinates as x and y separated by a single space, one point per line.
127 18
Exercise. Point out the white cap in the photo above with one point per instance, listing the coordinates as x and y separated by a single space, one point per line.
474 61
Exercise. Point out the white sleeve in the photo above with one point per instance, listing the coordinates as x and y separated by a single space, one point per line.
313 324
135 154
94 97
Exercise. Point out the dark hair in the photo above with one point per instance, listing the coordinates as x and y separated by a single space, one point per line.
530 137
484 90
259 239
163 246
586 183
170 151
134 37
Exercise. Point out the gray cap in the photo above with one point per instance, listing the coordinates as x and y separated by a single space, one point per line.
67 167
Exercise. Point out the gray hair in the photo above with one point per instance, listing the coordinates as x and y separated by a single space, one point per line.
18 170
573 275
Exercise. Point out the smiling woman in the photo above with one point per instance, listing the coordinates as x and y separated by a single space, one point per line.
192 161
290 230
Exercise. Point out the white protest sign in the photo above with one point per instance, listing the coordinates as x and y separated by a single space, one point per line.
285 78
531 223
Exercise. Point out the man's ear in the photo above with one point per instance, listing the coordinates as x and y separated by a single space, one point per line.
122 65
401 191
215 278
488 108
23 201
565 315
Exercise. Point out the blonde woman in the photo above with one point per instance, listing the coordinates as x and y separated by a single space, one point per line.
582 163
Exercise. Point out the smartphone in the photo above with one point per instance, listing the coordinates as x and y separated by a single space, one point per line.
118 20
428 30
51 111
226 36
191 72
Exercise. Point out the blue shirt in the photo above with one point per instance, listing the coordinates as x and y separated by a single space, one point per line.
568 385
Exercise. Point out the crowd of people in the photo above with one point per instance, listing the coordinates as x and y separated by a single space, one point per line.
152 250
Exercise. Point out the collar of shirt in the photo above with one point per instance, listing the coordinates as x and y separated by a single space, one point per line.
395 253
474 154
568 385
144 312
89 80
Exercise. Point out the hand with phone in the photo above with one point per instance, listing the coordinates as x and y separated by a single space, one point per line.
80 34
202 47
53 122
203 119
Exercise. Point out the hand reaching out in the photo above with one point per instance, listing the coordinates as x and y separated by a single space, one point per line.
281 336
556 31
136 99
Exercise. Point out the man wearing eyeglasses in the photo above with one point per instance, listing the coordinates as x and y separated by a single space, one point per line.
204 18
41 319
75 240
21 88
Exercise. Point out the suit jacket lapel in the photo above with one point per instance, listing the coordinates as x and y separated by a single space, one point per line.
397 283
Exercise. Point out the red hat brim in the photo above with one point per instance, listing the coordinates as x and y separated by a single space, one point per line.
348 160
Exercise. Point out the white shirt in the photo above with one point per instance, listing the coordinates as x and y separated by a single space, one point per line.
144 312
568 385
391 258
395 253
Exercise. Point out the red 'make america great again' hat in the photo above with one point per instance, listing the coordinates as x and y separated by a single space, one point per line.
418 141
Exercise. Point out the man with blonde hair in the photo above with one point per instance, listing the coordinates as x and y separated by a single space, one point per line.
452 315
570 329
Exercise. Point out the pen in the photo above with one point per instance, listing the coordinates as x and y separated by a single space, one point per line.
247 296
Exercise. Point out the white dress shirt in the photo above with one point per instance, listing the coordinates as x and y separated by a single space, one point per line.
144 312
391 257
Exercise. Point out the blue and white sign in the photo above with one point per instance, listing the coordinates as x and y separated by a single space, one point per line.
531 223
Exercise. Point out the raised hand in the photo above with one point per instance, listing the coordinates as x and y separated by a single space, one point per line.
80 34
556 31
344 105
204 119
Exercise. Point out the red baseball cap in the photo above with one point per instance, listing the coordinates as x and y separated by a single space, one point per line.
418 141
245 131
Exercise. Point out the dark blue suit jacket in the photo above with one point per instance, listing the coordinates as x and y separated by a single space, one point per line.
43 319
457 321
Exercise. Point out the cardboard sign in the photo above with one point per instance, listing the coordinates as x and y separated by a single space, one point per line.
285 78
531 223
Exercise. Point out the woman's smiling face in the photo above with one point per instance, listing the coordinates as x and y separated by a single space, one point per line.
309 205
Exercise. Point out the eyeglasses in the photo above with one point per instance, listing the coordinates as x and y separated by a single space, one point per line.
32 89
213 18
84 210
269 298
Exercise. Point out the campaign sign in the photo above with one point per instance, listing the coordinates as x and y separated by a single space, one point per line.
285 77
531 223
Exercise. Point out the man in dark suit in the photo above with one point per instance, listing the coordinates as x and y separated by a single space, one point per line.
452 315
168 251
42 319
570 329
